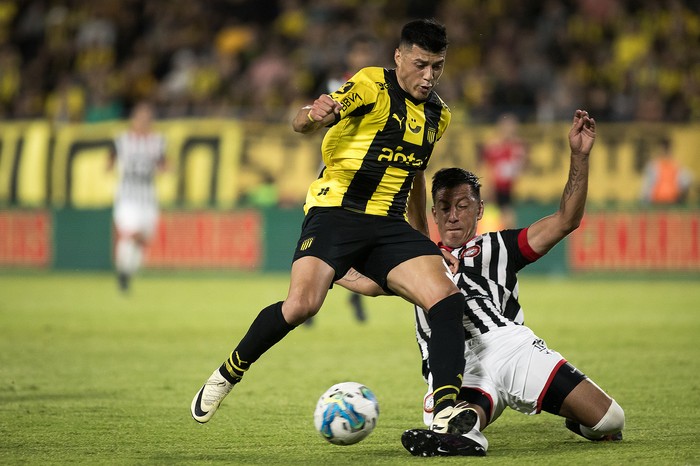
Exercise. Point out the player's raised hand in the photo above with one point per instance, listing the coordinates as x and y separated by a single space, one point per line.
323 107
312 117
452 261
582 133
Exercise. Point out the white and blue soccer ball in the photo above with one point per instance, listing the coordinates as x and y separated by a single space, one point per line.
346 413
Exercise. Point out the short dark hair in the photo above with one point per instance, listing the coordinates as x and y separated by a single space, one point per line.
448 178
427 34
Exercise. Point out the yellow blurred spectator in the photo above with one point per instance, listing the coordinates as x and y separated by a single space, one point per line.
233 39
66 103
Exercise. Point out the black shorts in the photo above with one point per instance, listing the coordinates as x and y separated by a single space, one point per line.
564 381
371 244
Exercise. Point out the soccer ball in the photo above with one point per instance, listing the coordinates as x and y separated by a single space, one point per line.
346 413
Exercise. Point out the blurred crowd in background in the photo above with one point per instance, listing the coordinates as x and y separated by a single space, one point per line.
92 60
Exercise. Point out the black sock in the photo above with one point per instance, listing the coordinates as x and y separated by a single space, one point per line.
267 329
446 349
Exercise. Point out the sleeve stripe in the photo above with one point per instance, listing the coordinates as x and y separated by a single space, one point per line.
525 247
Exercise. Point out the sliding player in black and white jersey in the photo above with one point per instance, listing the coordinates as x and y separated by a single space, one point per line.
506 363
138 154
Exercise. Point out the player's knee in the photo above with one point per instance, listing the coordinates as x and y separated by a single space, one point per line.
612 422
141 238
297 311
447 292
451 307
614 419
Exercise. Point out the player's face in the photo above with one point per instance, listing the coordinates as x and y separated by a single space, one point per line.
456 212
142 118
418 70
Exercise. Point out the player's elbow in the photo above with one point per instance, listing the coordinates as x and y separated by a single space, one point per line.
365 287
373 291
568 222
570 226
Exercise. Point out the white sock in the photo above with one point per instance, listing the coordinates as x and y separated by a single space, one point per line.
121 255
476 435
136 256
611 423
128 256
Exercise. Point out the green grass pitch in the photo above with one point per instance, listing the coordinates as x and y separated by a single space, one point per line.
90 376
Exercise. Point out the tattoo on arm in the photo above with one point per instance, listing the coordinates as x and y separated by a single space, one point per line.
573 183
353 276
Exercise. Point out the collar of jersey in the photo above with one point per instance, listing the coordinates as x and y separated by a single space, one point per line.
449 249
395 83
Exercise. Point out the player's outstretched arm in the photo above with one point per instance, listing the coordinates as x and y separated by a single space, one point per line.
312 117
112 160
416 207
358 283
545 233
418 217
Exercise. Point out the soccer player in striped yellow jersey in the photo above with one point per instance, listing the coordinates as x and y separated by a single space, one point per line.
380 138
383 125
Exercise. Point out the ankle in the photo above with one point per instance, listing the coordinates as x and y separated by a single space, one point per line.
231 378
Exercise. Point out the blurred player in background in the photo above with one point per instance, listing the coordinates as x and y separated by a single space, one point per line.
384 124
138 154
504 159
506 363
666 181
361 52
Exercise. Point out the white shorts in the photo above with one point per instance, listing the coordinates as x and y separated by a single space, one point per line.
511 366
132 218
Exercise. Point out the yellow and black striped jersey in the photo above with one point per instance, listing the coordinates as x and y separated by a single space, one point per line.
372 152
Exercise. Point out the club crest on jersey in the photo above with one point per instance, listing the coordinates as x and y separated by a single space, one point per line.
432 135
306 244
471 251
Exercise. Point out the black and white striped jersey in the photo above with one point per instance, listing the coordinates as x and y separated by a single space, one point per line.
138 157
487 277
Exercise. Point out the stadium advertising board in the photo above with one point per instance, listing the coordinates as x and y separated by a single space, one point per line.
638 241
207 240
25 239
217 165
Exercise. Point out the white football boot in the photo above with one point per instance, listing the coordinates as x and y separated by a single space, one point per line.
209 397
460 419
